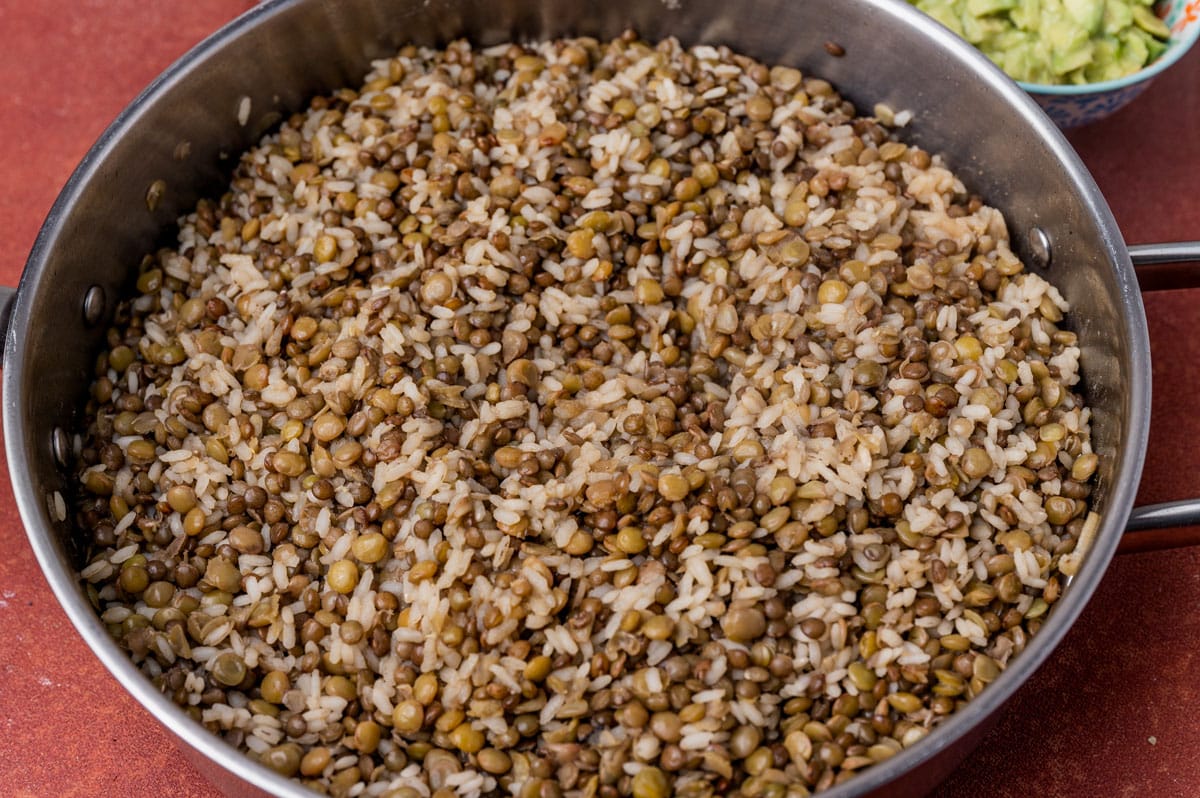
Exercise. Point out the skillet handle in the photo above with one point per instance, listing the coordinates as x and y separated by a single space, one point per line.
8 297
1152 527
1164 267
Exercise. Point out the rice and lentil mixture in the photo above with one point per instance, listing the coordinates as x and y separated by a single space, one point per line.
584 418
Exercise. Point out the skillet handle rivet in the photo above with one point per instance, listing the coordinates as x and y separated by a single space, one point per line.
1039 247
60 446
93 305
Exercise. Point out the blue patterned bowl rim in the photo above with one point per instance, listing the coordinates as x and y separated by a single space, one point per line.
1179 44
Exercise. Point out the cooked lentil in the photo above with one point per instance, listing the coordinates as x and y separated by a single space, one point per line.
593 418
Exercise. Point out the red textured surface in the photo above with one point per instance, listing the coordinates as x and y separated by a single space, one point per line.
1127 673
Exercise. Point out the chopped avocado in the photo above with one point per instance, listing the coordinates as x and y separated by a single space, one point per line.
1057 41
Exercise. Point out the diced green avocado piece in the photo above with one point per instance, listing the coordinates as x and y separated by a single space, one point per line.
1134 53
1026 61
1026 15
979 30
1144 18
981 8
1154 47
1060 33
946 14
1117 17
1013 39
1088 13
1104 57
1064 61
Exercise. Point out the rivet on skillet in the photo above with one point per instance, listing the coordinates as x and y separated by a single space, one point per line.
60 446
93 305
1039 247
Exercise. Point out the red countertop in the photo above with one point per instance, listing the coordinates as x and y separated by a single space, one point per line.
1113 712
